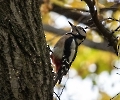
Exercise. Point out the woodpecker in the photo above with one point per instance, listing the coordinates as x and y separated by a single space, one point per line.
118 46
65 50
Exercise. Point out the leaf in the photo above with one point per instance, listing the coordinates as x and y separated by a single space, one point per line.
104 96
116 15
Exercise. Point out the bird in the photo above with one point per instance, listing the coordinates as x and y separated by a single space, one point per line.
65 50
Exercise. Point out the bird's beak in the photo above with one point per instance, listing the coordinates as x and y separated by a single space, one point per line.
73 27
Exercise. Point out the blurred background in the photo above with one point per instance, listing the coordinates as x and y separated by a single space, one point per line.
95 73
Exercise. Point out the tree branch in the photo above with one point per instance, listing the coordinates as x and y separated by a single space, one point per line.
89 43
105 32
70 13
76 15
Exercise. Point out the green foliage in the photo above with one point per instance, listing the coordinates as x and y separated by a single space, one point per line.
87 56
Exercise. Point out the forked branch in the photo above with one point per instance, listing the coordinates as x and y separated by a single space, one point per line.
108 35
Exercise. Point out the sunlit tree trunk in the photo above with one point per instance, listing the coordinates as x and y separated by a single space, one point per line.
25 69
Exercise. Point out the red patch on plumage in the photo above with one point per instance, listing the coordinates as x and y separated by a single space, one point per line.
56 62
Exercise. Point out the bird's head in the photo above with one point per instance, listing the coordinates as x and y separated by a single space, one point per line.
78 31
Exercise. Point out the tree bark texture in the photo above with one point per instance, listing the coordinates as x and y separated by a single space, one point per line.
25 69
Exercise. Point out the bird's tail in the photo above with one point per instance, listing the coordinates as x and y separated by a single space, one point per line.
58 78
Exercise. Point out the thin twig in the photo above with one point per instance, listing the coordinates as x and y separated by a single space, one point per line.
57 95
116 29
64 86
113 19
116 67
110 19
62 90
115 96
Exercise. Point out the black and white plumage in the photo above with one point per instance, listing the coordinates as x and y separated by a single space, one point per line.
65 50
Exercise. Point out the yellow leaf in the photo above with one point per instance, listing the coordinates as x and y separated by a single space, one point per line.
104 96
78 4
114 25
116 97
116 15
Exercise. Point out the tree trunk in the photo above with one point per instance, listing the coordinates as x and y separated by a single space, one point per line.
25 69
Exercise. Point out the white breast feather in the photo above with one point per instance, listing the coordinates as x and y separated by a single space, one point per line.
73 47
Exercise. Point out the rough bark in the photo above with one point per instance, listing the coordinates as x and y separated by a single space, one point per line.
25 69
